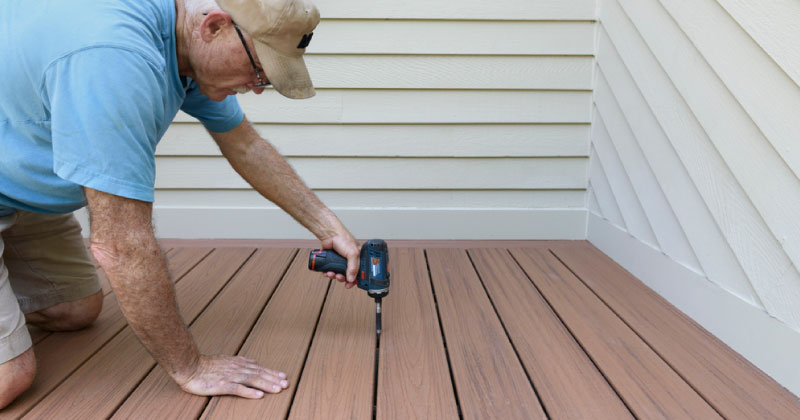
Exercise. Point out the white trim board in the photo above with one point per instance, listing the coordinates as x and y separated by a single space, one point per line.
766 342
418 224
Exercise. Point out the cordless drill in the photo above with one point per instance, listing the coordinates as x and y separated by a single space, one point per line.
373 270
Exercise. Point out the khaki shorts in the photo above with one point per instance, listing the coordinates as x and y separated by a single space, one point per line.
43 262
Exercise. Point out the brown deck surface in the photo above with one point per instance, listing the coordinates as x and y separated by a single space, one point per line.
476 330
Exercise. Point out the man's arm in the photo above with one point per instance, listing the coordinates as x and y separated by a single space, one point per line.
122 241
269 173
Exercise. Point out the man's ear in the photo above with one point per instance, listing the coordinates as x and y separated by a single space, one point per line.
213 24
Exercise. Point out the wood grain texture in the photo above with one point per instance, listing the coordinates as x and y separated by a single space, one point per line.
774 27
489 379
559 368
621 104
743 327
413 376
220 329
688 102
92 392
725 379
643 346
754 91
60 354
341 361
760 115
279 340
649 387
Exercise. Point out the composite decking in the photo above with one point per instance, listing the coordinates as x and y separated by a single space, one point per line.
478 330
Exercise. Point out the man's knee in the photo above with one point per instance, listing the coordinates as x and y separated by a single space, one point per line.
68 316
16 375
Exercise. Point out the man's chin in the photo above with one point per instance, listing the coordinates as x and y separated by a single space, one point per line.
219 97
216 96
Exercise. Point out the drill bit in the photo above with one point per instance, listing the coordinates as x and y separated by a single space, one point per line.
378 316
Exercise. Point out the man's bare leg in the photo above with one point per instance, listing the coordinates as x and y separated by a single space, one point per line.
68 316
16 375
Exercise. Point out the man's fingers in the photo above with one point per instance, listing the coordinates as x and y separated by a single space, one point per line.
261 376
243 391
352 268
252 364
269 384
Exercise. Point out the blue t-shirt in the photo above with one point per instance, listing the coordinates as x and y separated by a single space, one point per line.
87 89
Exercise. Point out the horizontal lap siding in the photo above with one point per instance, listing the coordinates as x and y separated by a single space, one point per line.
479 113
696 135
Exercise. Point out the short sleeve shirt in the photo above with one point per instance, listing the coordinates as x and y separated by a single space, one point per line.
88 89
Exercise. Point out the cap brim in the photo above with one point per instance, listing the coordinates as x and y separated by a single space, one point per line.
287 74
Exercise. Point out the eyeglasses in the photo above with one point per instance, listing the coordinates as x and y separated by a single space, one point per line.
260 83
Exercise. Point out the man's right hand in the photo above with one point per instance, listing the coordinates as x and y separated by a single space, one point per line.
346 246
232 375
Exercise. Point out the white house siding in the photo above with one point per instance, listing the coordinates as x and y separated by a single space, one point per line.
432 120
694 176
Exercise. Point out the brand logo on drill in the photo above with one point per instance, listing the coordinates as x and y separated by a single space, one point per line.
376 268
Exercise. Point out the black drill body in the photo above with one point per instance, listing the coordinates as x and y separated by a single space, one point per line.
373 270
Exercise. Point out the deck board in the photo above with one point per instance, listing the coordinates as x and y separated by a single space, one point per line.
492 329
279 341
341 360
490 380
649 387
413 376
90 392
220 329
726 379
561 372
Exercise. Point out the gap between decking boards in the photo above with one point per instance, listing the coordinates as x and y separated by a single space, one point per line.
571 333
508 336
308 350
189 325
441 331
660 356
289 262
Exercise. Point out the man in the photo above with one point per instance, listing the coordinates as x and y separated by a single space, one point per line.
88 88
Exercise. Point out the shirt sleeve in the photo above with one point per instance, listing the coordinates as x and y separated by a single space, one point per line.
218 117
104 109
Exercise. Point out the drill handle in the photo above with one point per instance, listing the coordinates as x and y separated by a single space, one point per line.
324 260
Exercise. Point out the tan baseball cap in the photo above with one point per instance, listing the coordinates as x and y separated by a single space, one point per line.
281 30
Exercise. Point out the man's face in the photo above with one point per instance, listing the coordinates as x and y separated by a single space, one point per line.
222 67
